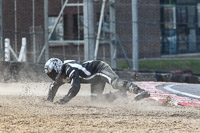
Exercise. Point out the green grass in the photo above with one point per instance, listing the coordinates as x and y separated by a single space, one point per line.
166 65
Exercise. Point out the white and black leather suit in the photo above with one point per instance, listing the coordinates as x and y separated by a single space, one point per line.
96 73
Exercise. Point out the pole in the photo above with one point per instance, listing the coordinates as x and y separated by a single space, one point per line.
24 43
86 26
88 10
91 28
99 29
7 49
135 35
15 8
22 54
46 40
78 19
113 47
1 28
33 30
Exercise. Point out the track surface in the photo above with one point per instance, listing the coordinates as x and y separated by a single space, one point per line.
24 110
185 90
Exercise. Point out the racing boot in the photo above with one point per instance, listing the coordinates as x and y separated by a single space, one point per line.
132 88
142 95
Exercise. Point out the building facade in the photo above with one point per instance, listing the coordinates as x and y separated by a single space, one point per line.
180 26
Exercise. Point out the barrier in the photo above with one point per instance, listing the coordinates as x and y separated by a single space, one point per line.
8 50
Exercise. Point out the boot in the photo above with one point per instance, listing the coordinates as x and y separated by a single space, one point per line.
142 95
134 89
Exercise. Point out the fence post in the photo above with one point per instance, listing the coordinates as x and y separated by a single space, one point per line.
22 54
88 14
7 49
1 28
135 49
24 47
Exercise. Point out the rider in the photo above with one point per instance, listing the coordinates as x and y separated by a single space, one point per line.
97 73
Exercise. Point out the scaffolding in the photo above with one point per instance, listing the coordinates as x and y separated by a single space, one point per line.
118 32
98 40
91 50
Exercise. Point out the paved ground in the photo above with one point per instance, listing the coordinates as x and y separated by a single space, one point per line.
186 90
24 110
174 93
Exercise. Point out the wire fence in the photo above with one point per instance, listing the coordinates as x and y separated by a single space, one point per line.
165 28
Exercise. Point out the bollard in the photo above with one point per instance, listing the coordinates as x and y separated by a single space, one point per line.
7 49
22 54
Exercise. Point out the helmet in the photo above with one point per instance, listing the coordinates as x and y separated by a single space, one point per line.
53 64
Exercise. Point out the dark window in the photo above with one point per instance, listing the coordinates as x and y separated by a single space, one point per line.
168 41
198 29
167 1
186 1
58 32
105 30
180 26
78 26
168 29
186 28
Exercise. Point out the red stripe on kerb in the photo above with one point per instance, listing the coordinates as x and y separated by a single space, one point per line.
162 96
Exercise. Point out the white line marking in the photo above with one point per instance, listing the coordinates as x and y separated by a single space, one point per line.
168 87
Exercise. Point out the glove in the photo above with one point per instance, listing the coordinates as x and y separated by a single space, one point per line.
60 102
47 100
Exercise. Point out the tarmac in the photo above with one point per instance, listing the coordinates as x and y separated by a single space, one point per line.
183 94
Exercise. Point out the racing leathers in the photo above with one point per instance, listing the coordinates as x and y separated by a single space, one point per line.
97 73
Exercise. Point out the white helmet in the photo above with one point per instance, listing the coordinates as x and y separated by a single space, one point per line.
53 63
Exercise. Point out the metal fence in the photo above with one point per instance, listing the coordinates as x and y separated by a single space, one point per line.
123 30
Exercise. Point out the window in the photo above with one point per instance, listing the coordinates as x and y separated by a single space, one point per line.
169 17
186 1
198 10
168 41
78 28
191 16
105 30
182 15
186 15
186 28
180 26
182 40
167 1
198 31
58 32
168 29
